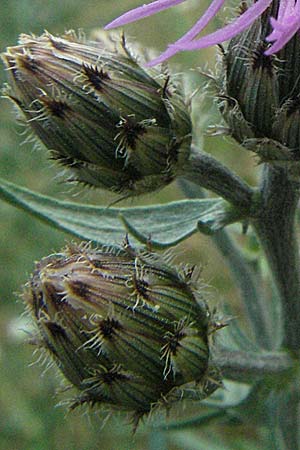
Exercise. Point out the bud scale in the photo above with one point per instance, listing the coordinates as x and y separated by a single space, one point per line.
112 123
125 328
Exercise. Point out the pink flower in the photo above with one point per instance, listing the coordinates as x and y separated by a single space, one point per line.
284 26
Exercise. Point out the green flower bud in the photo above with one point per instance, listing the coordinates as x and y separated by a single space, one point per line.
113 123
125 328
259 94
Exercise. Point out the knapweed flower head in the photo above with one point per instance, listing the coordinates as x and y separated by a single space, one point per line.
125 328
259 93
285 24
112 123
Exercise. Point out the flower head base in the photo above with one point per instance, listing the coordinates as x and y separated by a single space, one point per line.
259 95
113 124
125 328
284 27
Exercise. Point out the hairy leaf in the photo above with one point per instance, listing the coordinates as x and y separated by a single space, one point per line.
165 225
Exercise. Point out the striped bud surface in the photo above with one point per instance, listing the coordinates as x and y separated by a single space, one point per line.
111 122
258 94
124 327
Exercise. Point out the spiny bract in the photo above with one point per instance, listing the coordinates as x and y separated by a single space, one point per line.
126 329
111 122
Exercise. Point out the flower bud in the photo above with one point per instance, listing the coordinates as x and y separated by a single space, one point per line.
259 93
125 328
114 124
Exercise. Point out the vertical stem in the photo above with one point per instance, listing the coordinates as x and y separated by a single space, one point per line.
275 226
289 419
246 280
242 274
284 423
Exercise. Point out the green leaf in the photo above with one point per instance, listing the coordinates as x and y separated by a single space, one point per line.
214 439
202 420
232 394
196 441
165 225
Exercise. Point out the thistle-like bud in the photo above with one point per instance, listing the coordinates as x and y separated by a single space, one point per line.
259 94
113 123
126 329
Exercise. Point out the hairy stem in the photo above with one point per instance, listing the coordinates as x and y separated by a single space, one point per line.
275 227
209 173
243 275
249 367
289 419
284 419
248 283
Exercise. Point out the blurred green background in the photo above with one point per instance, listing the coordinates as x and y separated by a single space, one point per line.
29 419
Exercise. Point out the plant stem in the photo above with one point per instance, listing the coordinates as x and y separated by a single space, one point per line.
243 275
246 280
289 419
275 227
249 367
209 173
284 419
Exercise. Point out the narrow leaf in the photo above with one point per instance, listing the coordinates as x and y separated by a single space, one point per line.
202 420
232 394
165 225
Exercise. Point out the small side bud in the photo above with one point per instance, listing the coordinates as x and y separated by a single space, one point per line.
259 94
124 327
113 123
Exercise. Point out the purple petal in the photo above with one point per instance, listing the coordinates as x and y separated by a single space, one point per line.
285 6
142 11
196 29
209 14
285 26
171 51
229 31
280 40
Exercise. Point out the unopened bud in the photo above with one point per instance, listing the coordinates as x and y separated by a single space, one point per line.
259 93
125 328
114 124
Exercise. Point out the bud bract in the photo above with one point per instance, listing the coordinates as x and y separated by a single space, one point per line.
126 329
259 94
113 123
